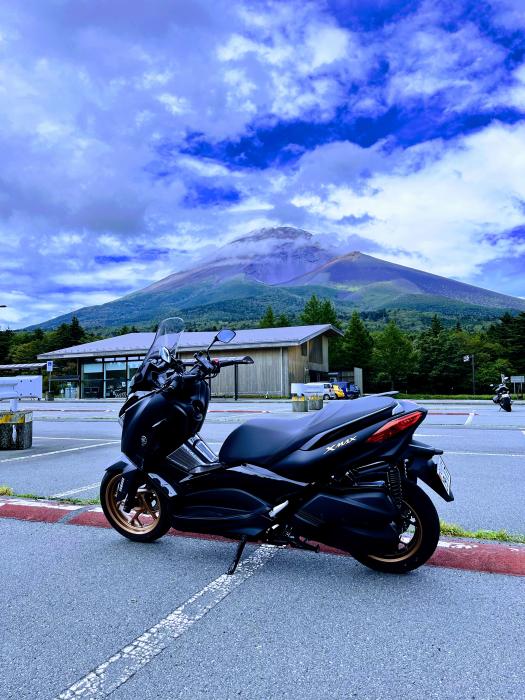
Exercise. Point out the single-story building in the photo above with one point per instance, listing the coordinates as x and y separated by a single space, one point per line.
281 356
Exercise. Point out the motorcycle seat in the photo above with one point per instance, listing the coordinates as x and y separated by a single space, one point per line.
262 441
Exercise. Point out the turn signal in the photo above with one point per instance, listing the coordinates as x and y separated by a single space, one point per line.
394 427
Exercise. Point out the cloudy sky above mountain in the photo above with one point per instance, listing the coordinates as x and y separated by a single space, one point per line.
136 137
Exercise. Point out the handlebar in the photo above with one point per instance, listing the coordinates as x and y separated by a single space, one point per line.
229 361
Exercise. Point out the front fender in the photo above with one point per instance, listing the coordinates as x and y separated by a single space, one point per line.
420 465
132 477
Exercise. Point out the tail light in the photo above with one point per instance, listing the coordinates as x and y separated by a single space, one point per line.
393 427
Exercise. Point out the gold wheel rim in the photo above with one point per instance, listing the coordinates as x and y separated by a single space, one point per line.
145 513
406 549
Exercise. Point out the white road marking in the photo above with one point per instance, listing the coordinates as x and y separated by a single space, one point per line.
56 452
486 454
89 487
120 667
36 504
469 419
47 437
456 545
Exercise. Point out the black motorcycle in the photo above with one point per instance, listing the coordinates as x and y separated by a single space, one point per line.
502 396
345 476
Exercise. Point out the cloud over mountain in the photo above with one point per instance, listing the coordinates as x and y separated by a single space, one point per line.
138 138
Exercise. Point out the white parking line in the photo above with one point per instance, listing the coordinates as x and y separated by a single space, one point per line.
58 452
486 454
120 667
77 439
469 419
72 492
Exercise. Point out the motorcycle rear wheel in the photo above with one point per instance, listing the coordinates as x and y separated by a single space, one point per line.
147 520
418 541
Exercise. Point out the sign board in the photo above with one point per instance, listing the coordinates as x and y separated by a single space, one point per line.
49 367
466 358
518 379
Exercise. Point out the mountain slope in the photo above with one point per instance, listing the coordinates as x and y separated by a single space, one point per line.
363 276
282 267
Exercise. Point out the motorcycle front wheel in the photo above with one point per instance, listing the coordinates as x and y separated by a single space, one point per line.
417 542
149 517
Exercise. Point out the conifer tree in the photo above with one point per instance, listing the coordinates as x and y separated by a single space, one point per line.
357 344
393 355
268 320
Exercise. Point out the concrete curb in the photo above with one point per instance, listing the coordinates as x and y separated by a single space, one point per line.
468 555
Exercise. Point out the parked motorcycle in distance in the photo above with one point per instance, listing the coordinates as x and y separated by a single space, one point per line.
502 395
345 475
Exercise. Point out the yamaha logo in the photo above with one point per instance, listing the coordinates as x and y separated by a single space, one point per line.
332 448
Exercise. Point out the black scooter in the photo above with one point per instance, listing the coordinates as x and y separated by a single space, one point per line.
502 396
345 476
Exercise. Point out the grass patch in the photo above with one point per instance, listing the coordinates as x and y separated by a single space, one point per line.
70 501
452 530
6 490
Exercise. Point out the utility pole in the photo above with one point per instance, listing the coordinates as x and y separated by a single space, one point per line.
470 358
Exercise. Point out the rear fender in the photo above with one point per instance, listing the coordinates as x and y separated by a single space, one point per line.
420 465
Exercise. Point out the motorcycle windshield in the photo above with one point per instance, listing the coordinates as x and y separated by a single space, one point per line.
168 335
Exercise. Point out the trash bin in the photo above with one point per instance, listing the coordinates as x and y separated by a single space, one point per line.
315 403
16 430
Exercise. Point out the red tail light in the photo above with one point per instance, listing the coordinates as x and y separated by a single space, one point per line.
393 427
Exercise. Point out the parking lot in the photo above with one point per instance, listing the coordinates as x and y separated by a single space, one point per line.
88 614
484 449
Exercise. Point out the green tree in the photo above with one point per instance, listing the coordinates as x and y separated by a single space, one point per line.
393 355
268 320
312 312
357 344
67 335
6 339
317 311
282 321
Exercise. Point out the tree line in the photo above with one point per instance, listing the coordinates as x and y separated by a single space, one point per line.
17 347
431 360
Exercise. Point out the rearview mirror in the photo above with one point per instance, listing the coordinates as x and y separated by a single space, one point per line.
225 335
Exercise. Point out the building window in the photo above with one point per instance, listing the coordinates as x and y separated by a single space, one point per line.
115 376
316 350
92 380
133 366
304 349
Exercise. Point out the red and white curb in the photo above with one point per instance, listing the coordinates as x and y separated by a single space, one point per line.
499 558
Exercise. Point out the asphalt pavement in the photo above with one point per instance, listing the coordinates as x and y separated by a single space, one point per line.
484 450
85 613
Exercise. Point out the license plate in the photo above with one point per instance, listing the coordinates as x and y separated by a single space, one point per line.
444 475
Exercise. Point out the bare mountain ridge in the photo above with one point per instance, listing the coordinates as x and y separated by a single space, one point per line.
271 256
283 266
356 270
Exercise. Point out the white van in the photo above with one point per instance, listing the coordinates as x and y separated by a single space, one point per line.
324 389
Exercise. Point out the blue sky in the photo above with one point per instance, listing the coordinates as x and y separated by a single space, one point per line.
136 137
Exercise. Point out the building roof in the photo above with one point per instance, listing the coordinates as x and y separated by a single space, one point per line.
31 365
139 343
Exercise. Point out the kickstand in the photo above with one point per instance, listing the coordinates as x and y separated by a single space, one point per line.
238 555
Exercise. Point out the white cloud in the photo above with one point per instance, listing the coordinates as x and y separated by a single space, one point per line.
98 103
443 211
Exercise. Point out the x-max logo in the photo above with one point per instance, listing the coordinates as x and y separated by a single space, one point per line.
332 448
